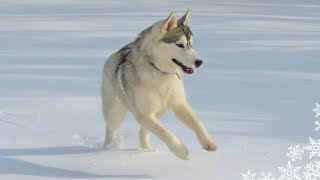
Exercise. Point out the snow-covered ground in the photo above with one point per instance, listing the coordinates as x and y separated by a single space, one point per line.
255 92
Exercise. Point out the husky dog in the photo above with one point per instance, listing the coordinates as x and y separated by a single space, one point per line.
144 78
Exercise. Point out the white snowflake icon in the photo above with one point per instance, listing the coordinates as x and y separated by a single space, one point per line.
266 176
313 148
290 172
317 110
295 153
317 128
312 171
249 175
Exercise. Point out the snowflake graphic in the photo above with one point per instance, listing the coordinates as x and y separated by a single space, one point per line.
249 175
312 171
317 110
317 128
266 176
295 153
313 148
290 172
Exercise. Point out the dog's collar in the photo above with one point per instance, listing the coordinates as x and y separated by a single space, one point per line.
161 70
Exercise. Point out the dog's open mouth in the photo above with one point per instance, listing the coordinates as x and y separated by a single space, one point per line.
185 69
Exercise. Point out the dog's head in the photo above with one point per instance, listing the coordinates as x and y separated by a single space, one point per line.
173 47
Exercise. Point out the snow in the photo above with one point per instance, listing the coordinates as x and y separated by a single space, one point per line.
255 92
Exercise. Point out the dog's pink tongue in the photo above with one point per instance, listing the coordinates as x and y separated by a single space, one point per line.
188 70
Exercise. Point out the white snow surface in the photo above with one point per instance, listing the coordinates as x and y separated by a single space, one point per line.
255 92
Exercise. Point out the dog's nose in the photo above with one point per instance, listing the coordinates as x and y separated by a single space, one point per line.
198 63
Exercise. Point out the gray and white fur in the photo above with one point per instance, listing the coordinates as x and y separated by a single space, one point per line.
144 78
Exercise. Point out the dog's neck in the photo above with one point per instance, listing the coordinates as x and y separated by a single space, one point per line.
154 66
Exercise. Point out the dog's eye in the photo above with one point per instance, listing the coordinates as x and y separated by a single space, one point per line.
180 45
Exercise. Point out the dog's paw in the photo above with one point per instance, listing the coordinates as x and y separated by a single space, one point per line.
145 144
209 145
146 148
149 149
113 143
182 153
180 150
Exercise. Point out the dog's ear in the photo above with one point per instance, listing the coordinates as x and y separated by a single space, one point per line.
170 23
185 20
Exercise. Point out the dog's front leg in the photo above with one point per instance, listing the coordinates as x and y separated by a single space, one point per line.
152 124
187 116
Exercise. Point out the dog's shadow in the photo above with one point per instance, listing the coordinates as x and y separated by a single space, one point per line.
10 165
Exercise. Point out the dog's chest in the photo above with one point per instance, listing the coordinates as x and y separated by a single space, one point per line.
156 94
170 90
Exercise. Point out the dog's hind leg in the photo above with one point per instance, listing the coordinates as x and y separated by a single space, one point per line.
144 139
113 117
113 110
